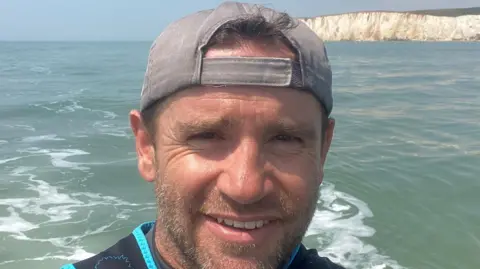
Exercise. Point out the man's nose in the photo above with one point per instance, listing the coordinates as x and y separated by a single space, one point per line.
244 177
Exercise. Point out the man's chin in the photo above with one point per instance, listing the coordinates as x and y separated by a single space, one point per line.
221 254
247 260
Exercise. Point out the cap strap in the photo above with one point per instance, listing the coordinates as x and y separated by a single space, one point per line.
279 72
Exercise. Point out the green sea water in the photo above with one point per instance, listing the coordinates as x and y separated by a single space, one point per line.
402 181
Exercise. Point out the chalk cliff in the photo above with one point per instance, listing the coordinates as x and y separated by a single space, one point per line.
387 26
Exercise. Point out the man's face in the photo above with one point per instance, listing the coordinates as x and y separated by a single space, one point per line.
237 172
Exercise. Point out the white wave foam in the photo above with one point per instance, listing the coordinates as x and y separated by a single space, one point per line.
74 106
128 160
41 70
79 135
59 208
19 171
357 91
21 126
70 108
14 223
77 254
42 106
107 128
339 226
48 202
413 74
56 206
379 112
9 160
109 114
3 142
50 137
58 156
432 145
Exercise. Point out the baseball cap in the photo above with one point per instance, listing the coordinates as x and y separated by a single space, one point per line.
176 59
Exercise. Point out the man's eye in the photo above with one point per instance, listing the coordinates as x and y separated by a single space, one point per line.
287 138
205 135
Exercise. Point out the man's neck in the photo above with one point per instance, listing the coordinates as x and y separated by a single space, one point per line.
166 249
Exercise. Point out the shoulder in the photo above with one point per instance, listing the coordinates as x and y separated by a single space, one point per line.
309 258
129 252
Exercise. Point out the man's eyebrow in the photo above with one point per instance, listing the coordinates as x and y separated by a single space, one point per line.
196 125
298 128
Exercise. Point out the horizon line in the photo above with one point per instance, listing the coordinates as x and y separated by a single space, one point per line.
297 17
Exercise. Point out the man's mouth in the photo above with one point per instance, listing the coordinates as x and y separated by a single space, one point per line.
248 225
242 230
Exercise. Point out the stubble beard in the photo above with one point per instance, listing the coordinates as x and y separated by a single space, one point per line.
173 232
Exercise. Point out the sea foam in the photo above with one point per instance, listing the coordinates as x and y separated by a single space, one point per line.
339 227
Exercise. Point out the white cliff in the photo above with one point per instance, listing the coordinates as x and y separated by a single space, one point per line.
383 26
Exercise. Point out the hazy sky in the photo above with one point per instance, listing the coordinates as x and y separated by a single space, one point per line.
144 19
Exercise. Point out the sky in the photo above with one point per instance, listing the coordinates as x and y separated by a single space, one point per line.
143 20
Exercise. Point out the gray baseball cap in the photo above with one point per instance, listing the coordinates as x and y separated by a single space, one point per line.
176 59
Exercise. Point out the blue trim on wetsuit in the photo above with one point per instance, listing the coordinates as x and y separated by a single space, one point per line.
142 243
294 254
68 266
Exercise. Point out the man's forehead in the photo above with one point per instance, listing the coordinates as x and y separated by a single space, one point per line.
233 105
228 97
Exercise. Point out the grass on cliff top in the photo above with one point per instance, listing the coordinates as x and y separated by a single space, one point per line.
454 12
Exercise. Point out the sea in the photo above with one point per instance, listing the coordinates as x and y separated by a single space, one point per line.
402 179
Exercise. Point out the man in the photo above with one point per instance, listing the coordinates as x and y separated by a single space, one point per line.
233 131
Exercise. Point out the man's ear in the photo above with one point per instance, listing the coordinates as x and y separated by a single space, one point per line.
327 141
144 146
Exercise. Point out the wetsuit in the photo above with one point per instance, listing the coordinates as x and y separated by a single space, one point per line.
137 251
